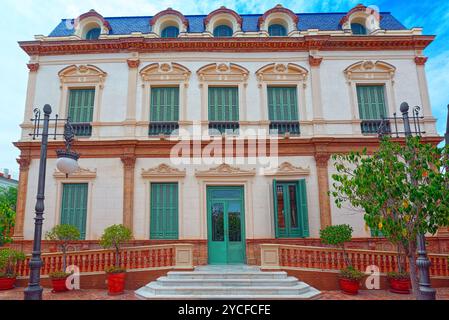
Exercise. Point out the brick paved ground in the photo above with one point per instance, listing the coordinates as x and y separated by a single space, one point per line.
17 294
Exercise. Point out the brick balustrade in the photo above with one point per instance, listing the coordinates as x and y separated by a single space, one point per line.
275 256
172 256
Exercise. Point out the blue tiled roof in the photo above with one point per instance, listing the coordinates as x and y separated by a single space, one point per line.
322 21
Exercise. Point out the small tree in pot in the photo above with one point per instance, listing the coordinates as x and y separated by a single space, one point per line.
337 236
8 262
115 237
62 234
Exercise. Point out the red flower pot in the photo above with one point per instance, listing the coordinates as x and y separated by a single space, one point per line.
59 285
401 286
349 286
116 283
7 283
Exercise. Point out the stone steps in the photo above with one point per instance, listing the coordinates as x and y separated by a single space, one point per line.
226 282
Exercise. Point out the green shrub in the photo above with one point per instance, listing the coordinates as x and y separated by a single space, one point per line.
337 236
398 275
59 275
351 274
63 234
114 270
9 259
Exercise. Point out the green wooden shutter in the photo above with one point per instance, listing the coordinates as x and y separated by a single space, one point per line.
303 209
81 105
283 104
74 206
164 104
371 100
164 211
275 208
223 104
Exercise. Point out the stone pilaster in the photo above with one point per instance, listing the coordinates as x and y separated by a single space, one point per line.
133 67
31 91
24 163
129 163
322 166
423 88
315 63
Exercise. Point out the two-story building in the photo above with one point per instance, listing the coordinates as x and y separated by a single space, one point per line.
174 115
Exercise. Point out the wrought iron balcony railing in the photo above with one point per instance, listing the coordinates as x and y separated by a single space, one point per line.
283 127
82 129
224 127
374 126
165 128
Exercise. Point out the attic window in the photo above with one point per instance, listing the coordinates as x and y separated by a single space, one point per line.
223 31
358 28
93 34
277 30
170 32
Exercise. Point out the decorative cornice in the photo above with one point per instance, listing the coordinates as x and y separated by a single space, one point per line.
133 63
315 61
360 8
278 9
163 170
420 61
93 13
307 43
225 171
82 173
24 163
223 10
287 169
169 11
33 67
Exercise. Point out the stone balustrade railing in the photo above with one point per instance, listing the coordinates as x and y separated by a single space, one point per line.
171 256
274 256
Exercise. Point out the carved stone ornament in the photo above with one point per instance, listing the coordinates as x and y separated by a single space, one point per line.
225 170
163 170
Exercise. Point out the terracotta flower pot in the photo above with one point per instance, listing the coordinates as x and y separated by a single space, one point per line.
59 285
350 287
7 283
400 286
116 283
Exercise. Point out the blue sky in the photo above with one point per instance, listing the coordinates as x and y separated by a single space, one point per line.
21 20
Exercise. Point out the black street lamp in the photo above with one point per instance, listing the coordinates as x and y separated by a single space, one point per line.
67 163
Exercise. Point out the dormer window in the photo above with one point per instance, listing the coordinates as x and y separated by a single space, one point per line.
223 31
358 28
277 30
170 32
93 34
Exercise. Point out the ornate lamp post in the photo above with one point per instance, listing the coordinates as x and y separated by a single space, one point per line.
67 163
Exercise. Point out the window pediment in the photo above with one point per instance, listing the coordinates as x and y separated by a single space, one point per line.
163 170
82 173
223 72
82 74
370 70
165 72
282 72
225 170
287 169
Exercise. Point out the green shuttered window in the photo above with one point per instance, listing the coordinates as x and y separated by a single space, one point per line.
371 100
164 211
290 209
223 104
81 105
74 206
282 104
164 104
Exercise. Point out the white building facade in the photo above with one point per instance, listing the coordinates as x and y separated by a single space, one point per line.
173 120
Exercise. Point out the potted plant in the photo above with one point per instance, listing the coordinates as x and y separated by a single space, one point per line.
62 234
400 281
8 262
114 237
349 277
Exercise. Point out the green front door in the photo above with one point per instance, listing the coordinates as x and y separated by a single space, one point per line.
226 225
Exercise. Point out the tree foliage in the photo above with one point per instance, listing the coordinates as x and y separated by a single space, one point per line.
8 201
8 262
63 234
402 188
337 236
114 237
